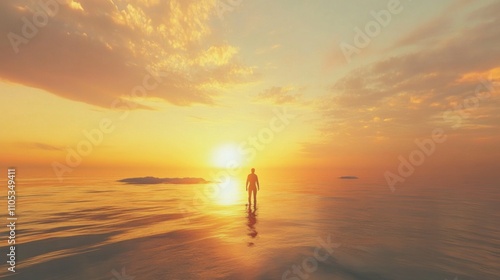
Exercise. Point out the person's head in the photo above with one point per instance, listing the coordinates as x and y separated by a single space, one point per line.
253 170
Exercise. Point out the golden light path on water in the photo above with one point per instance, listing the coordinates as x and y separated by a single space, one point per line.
229 192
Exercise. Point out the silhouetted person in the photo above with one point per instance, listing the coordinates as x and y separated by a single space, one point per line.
252 186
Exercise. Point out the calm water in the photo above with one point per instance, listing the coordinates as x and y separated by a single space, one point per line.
101 229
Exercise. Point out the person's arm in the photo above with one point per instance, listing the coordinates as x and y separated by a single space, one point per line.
257 181
248 181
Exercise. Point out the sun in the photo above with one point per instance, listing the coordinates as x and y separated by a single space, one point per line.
227 156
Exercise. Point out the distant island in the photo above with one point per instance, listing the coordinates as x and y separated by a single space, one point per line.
155 180
348 177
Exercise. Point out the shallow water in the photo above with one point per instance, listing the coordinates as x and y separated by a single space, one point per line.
102 229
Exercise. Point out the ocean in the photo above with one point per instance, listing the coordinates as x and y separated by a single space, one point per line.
98 228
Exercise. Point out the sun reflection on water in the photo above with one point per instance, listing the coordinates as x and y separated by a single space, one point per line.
229 192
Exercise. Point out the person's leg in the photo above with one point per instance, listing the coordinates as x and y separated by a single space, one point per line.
249 196
255 196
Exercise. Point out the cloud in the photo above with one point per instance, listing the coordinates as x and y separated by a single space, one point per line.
280 95
409 92
426 32
97 52
268 49
437 29
40 146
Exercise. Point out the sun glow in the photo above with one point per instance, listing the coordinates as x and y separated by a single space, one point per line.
227 156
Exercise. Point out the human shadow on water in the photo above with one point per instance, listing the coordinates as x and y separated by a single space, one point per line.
251 221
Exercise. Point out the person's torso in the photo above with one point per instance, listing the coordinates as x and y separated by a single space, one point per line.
252 178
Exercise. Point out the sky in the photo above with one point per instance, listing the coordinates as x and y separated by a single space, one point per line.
320 88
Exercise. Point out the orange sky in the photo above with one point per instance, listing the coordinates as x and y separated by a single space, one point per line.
180 88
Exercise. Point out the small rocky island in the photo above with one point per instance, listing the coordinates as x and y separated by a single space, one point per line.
348 177
156 180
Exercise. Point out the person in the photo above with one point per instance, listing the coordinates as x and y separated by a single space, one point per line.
252 186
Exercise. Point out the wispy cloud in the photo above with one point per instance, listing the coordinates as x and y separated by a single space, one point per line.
437 29
280 95
268 49
414 87
39 146
387 104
